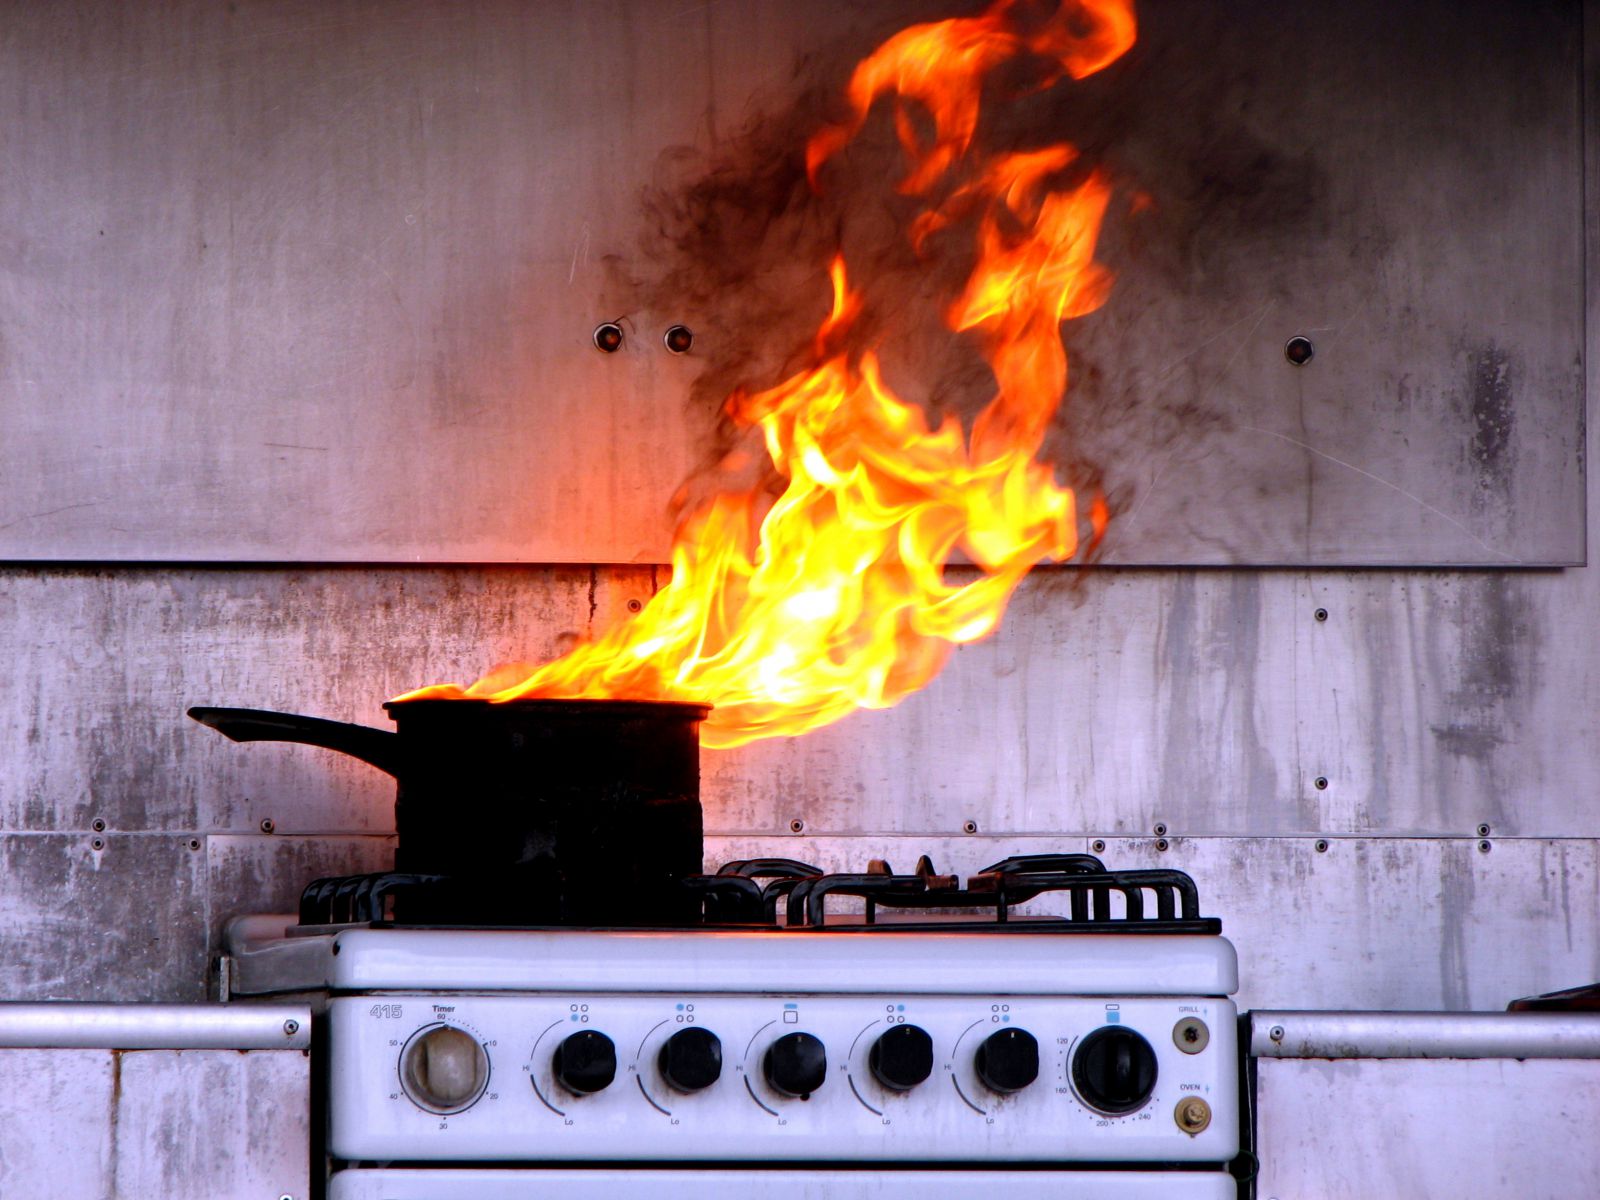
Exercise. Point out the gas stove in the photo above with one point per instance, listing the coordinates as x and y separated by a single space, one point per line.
851 1027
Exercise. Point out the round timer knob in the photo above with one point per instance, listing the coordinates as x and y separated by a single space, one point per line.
1114 1069
691 1059
796 1064
586 1062
444 1069
1008 1060
901 1058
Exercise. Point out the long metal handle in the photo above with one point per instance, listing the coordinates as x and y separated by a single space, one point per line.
1276 1033
73 1025
378 747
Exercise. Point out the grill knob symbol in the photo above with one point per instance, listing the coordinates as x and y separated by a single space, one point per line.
586 1062
901 1058
1114 1070
1008 1061
443 1069
796 1064
691 1059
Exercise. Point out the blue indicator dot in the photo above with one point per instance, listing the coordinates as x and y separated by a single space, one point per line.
1007 1017
573 1017
680 1008
1113 1018
899 1008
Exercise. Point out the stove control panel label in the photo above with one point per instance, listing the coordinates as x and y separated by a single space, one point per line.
743 1077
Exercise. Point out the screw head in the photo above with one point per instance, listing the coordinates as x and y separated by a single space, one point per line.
1485 847
1483 830
291 1027
98 843
969 827
1322 845
1162 844
1161 829
797 826
1299 350
1321 783
678 339
608 337
194 843
268 825
99 825
1276 1033
1098 845
1321 614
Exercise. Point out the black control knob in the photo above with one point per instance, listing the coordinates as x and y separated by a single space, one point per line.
796 1064
1114 1069
586 1062
691 1059
1008 1060
901 1058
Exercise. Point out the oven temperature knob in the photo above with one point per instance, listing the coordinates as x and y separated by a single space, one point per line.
691 1059
586 1062
796 1064
1114 1070
1008 1061
901 1058
443 1069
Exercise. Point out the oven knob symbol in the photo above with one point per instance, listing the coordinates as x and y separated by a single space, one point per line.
586 1062
796 1064
1114 1070
1008 1061
691 1059
443 1069
901 1058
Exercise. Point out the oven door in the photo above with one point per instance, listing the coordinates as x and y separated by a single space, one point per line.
801 1183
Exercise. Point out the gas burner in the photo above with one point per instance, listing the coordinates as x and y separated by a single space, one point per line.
783 893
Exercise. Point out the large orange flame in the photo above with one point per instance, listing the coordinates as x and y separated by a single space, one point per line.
789 615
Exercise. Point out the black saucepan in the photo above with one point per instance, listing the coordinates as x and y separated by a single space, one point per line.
567 811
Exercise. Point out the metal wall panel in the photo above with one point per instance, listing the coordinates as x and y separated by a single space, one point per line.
179 1124
280 284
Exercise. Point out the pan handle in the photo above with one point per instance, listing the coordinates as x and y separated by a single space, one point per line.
378 747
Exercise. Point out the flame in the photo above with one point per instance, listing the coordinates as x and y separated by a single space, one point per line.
789 614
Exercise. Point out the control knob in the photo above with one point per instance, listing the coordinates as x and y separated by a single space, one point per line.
1008 1060
586 1062
796 1064
1114 1069
444 1069
901 1058
691 1059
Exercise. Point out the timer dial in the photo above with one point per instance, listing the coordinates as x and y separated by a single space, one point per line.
443 1069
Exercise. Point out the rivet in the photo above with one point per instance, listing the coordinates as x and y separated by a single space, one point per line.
678 339
1161 828
1161 844
1321 614
98 843
1322 845
797 826
1483 830
1485 847
1299 350
635 605
1098 845
608 337
1276 1033
969 827
291 1027
99 826
1321 782
194 843
268 825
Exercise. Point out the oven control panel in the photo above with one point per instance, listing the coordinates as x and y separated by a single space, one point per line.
513 1077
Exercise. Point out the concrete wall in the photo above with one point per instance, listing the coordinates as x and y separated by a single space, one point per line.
1210 701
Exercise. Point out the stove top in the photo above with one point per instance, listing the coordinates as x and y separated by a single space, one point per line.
783 893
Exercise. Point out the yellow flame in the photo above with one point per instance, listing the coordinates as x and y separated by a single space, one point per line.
790 615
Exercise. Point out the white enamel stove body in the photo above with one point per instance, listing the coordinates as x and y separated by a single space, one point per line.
746 1047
